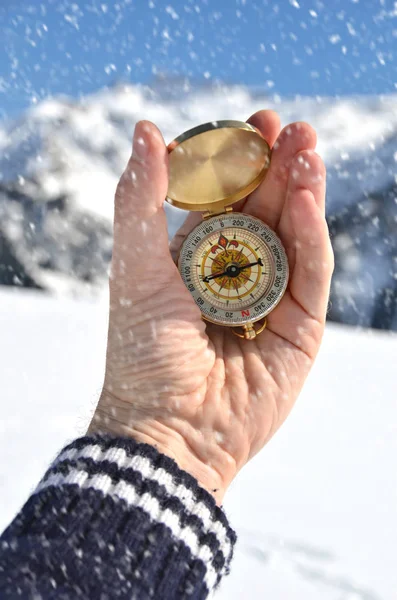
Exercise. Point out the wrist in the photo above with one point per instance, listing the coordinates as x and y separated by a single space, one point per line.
206 476
212 468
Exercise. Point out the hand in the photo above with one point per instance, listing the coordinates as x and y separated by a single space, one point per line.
200 394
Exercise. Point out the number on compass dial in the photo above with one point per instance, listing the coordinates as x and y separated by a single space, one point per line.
235 267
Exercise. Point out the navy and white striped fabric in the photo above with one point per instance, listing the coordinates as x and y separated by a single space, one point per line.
113 518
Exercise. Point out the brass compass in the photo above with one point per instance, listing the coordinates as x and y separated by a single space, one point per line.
234 265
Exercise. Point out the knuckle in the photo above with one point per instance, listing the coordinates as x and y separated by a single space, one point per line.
307 162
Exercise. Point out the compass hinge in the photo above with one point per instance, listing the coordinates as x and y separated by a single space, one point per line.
209 213
249 331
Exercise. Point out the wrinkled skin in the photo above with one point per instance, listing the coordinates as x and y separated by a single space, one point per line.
200 394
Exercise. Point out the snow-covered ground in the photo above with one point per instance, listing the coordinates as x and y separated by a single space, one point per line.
316 511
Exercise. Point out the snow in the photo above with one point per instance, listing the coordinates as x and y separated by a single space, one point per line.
82 146
60 162
315 510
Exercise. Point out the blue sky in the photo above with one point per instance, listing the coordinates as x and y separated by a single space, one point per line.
307 47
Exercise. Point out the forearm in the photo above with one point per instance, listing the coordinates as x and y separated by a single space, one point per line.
114 518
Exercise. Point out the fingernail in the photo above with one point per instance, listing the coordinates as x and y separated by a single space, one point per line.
140 142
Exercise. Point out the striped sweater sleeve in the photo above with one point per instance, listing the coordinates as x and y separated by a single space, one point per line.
113 518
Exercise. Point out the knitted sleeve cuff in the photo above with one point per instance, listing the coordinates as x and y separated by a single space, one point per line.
117 516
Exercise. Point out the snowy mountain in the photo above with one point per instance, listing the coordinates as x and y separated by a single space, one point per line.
59 164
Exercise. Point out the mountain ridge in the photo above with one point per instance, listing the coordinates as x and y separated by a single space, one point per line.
60 161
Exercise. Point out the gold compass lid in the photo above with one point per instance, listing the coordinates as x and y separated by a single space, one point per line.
214 165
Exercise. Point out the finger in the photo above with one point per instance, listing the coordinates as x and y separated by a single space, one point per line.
300 317
307 172
140 228
268 123
143 185
304 232
267 201
312 271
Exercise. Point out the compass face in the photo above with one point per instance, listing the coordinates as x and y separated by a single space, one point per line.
235 267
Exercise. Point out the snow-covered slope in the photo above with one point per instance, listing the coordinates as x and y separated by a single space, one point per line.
60 161
315 511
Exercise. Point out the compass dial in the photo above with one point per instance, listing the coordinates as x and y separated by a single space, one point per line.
235 267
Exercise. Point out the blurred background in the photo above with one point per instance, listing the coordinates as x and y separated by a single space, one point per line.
74 79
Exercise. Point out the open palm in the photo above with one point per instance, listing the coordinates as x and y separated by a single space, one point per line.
199 393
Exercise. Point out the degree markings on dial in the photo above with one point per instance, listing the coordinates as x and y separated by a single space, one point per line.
256 293
237 294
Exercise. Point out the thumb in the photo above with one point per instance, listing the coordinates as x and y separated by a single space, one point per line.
140 226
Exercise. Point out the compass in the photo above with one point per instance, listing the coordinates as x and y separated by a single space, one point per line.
233 264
